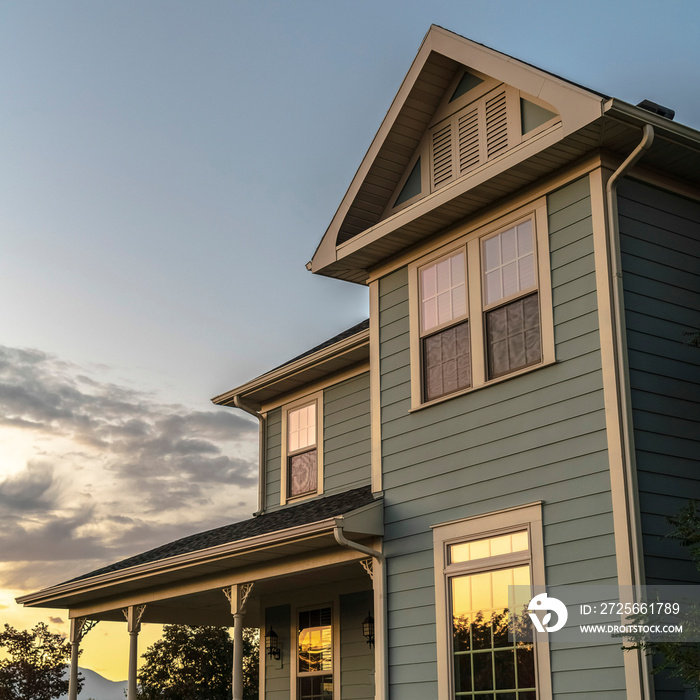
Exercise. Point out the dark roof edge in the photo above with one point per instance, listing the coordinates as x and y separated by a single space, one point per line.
354 336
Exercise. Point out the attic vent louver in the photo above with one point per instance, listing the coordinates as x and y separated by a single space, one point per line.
655 108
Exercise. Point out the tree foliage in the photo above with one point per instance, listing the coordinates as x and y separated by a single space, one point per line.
34 665
196 663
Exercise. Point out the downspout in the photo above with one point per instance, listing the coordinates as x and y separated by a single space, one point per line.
262 433
622 373
381 642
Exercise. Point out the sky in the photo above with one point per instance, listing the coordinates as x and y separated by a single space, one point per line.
167 168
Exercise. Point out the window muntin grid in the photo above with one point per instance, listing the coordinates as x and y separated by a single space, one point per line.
493 653
443 292
508 263
301 428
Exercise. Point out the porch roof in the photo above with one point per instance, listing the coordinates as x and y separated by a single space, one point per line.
267 546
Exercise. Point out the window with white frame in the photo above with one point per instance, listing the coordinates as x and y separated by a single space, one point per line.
481 308
511 303
315 654
445 326
302 426
485 571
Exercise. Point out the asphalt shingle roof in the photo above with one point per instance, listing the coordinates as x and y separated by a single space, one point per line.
302 514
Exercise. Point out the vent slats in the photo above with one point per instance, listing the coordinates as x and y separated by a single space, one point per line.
496 125
469 149
442 155
470 137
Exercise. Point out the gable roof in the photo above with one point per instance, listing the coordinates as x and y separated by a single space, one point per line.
362 234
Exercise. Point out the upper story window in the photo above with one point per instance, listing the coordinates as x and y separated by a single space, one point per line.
302 458
445 326
511 303
481 307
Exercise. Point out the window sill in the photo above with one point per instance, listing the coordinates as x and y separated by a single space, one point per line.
485 385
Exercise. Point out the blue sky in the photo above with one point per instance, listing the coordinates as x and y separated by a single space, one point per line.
168 168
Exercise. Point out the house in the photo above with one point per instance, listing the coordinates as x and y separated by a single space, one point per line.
520 409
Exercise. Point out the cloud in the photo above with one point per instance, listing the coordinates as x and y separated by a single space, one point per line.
56 620
30 490
108 471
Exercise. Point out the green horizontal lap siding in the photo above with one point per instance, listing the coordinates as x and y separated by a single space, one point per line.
277 672
346 429
273 460
356 657
539 436
660 245
346 441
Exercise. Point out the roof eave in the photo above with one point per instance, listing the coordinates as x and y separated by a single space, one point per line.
365 521
277 377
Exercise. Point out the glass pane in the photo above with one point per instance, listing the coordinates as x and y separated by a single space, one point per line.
488 547
492 253
316 688
508 246
315 649
508 262
443 292
484 655
483 671
446 362
303 473
428 282
430 314
526 666
443 276
463 673
525 237
301 427
513 336
504 669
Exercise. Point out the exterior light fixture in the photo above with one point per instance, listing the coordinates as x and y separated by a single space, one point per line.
368 630
272 644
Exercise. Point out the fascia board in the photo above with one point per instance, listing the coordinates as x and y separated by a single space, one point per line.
366 514
289 370
664 128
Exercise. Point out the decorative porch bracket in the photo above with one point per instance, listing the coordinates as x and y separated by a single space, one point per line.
79 627
368 566
133 615
238 595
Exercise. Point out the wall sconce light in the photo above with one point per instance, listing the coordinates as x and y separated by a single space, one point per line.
368 630
272 644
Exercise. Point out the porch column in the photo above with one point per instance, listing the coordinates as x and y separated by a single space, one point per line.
79 627
237 596
133 615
